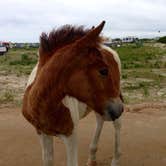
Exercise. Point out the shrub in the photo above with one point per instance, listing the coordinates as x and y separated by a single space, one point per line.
162 39
7 96
24 60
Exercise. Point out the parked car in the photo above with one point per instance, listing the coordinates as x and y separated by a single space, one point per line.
3 49
130 39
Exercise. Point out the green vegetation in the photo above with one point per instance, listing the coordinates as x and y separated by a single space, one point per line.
18 61
141 57
7 96
162 39
143 72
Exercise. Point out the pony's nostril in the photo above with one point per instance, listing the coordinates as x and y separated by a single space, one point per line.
112 115
115 110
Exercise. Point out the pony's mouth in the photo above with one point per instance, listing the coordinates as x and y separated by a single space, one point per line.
113 111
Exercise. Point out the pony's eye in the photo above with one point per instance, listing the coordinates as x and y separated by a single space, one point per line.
104 72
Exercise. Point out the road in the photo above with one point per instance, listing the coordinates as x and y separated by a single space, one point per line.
143 140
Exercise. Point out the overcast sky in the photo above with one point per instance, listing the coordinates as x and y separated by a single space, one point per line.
24 20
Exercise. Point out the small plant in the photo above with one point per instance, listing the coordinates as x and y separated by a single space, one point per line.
162 39
145 91
24 60
144 86
158 64
139 43
7 96
24 57
124 76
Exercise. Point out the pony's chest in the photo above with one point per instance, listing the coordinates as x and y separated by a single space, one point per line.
78 109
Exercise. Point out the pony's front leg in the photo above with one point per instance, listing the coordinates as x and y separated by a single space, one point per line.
117 151
47 149
71 148
93 145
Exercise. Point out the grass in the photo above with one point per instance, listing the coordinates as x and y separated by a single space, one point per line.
7 96
139 81
143 71
19 61
141 57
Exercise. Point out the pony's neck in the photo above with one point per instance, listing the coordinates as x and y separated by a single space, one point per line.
48 85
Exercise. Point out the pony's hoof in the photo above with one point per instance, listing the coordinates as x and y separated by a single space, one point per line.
115 162
91 163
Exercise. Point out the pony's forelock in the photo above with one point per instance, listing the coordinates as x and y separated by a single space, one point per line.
60 37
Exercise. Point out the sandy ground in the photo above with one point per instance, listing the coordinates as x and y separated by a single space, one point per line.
143 140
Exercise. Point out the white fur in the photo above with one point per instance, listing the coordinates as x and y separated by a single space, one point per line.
77 108
32 76
117 151
115 55
95 139
47 149
71 148
77 111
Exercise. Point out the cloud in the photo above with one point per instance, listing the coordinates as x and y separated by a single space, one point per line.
25 20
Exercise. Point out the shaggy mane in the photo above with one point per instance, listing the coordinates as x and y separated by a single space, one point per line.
60 37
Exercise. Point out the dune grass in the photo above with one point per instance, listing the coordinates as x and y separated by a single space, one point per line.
18 61
143 71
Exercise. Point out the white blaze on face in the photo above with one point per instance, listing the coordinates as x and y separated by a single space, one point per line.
115 55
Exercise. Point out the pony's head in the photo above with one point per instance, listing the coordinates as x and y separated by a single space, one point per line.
86 71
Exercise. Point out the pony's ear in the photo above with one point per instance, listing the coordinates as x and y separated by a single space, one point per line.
91 37
93 27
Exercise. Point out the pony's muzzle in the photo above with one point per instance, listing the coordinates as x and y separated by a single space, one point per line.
114 110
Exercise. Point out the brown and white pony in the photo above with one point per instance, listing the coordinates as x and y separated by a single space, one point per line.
75 74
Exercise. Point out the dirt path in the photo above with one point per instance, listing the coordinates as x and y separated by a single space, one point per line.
143 140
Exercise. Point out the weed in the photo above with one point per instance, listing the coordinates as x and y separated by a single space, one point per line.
7 96
140 57
143 70
18 61
24 60
124 76
145 91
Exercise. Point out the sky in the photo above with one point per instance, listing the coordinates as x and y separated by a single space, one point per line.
25 20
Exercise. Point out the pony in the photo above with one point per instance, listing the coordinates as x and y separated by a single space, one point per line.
75 74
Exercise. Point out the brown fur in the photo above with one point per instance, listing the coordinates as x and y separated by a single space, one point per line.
69 67
60 37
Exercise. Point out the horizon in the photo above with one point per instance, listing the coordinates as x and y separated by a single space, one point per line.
151 36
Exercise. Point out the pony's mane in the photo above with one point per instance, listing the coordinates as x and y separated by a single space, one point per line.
57 38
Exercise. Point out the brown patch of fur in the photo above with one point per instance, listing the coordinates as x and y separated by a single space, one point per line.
60 37
47 116
57 39
42 104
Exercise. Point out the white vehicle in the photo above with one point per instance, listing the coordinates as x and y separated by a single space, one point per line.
129 39
3 49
